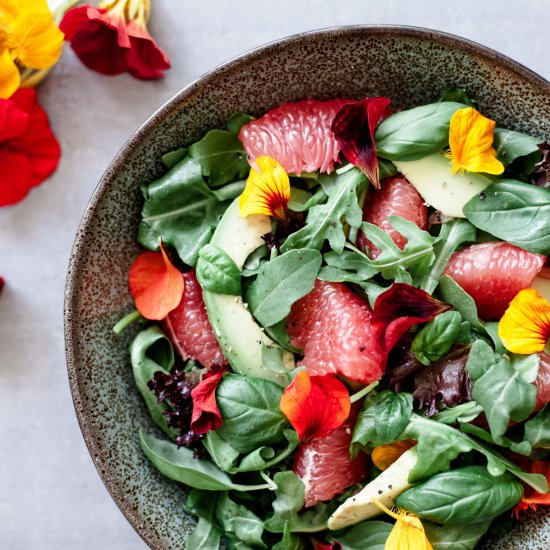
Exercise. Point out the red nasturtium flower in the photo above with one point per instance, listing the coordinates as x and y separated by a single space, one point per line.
315 405
29 151
353 127
531 499
206 415
155 284
114 39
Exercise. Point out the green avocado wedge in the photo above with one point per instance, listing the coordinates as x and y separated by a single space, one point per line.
238 334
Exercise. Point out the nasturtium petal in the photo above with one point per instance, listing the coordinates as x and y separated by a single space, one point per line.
155 284
9 74
384 456
471 143
315 405
206 415
354 126
267 190
525 326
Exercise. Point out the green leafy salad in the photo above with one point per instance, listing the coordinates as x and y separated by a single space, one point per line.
344 310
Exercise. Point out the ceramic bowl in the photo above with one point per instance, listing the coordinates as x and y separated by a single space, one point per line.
411 66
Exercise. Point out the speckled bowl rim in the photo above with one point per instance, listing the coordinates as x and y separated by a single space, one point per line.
118 164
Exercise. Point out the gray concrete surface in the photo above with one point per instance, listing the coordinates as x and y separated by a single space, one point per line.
50 494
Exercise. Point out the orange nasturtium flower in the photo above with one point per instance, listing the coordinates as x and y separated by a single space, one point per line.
267 190
29 38
384 456
531 499
155 284
315 405
471 143
525 326
407 533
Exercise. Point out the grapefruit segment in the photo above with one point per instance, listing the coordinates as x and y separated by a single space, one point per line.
397 197
324 464
542 381
188 327
493 273
333 327
298 135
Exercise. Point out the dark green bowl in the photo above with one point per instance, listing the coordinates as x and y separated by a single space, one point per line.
409 65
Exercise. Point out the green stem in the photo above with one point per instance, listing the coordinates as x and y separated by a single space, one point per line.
361 393
126 321
272 485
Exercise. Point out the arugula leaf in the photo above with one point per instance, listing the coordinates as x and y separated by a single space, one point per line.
237 521
503 388
435 339
437 446
515 212
460 95
415 133
217 272
279 334
537 430
290 500
511 145
281 282
180 209
369 535
237 120
207 534
221 156
386 169
452 293
462 496
324 221
455 537
301 200
451 236
262 458
180 465
151 351
463 413
173 157
250 411
520 447
290 541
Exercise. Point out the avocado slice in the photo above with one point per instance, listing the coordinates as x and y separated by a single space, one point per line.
238 334
386 487
446 192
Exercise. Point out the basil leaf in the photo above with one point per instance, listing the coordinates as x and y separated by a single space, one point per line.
180 209
250 412
369 535
152 351
502 388
280 283
435 339
237 120
180 465
232 462
289 503
537 430
217 272
462 496
207 534
515 212
452 293
455 537
415 133
460 95
221 156
510 145
451 236
324 221
383 420
237 521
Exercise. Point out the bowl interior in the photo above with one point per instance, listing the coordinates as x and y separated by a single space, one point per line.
411 66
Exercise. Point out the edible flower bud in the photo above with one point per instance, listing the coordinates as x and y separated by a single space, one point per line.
471 143
267 190
525 326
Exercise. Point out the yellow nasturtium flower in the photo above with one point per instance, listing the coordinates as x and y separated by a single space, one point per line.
407 533
471 143
29 38
525 326
384 456
267 191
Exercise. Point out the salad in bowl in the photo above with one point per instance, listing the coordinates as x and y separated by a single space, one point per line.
345 310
